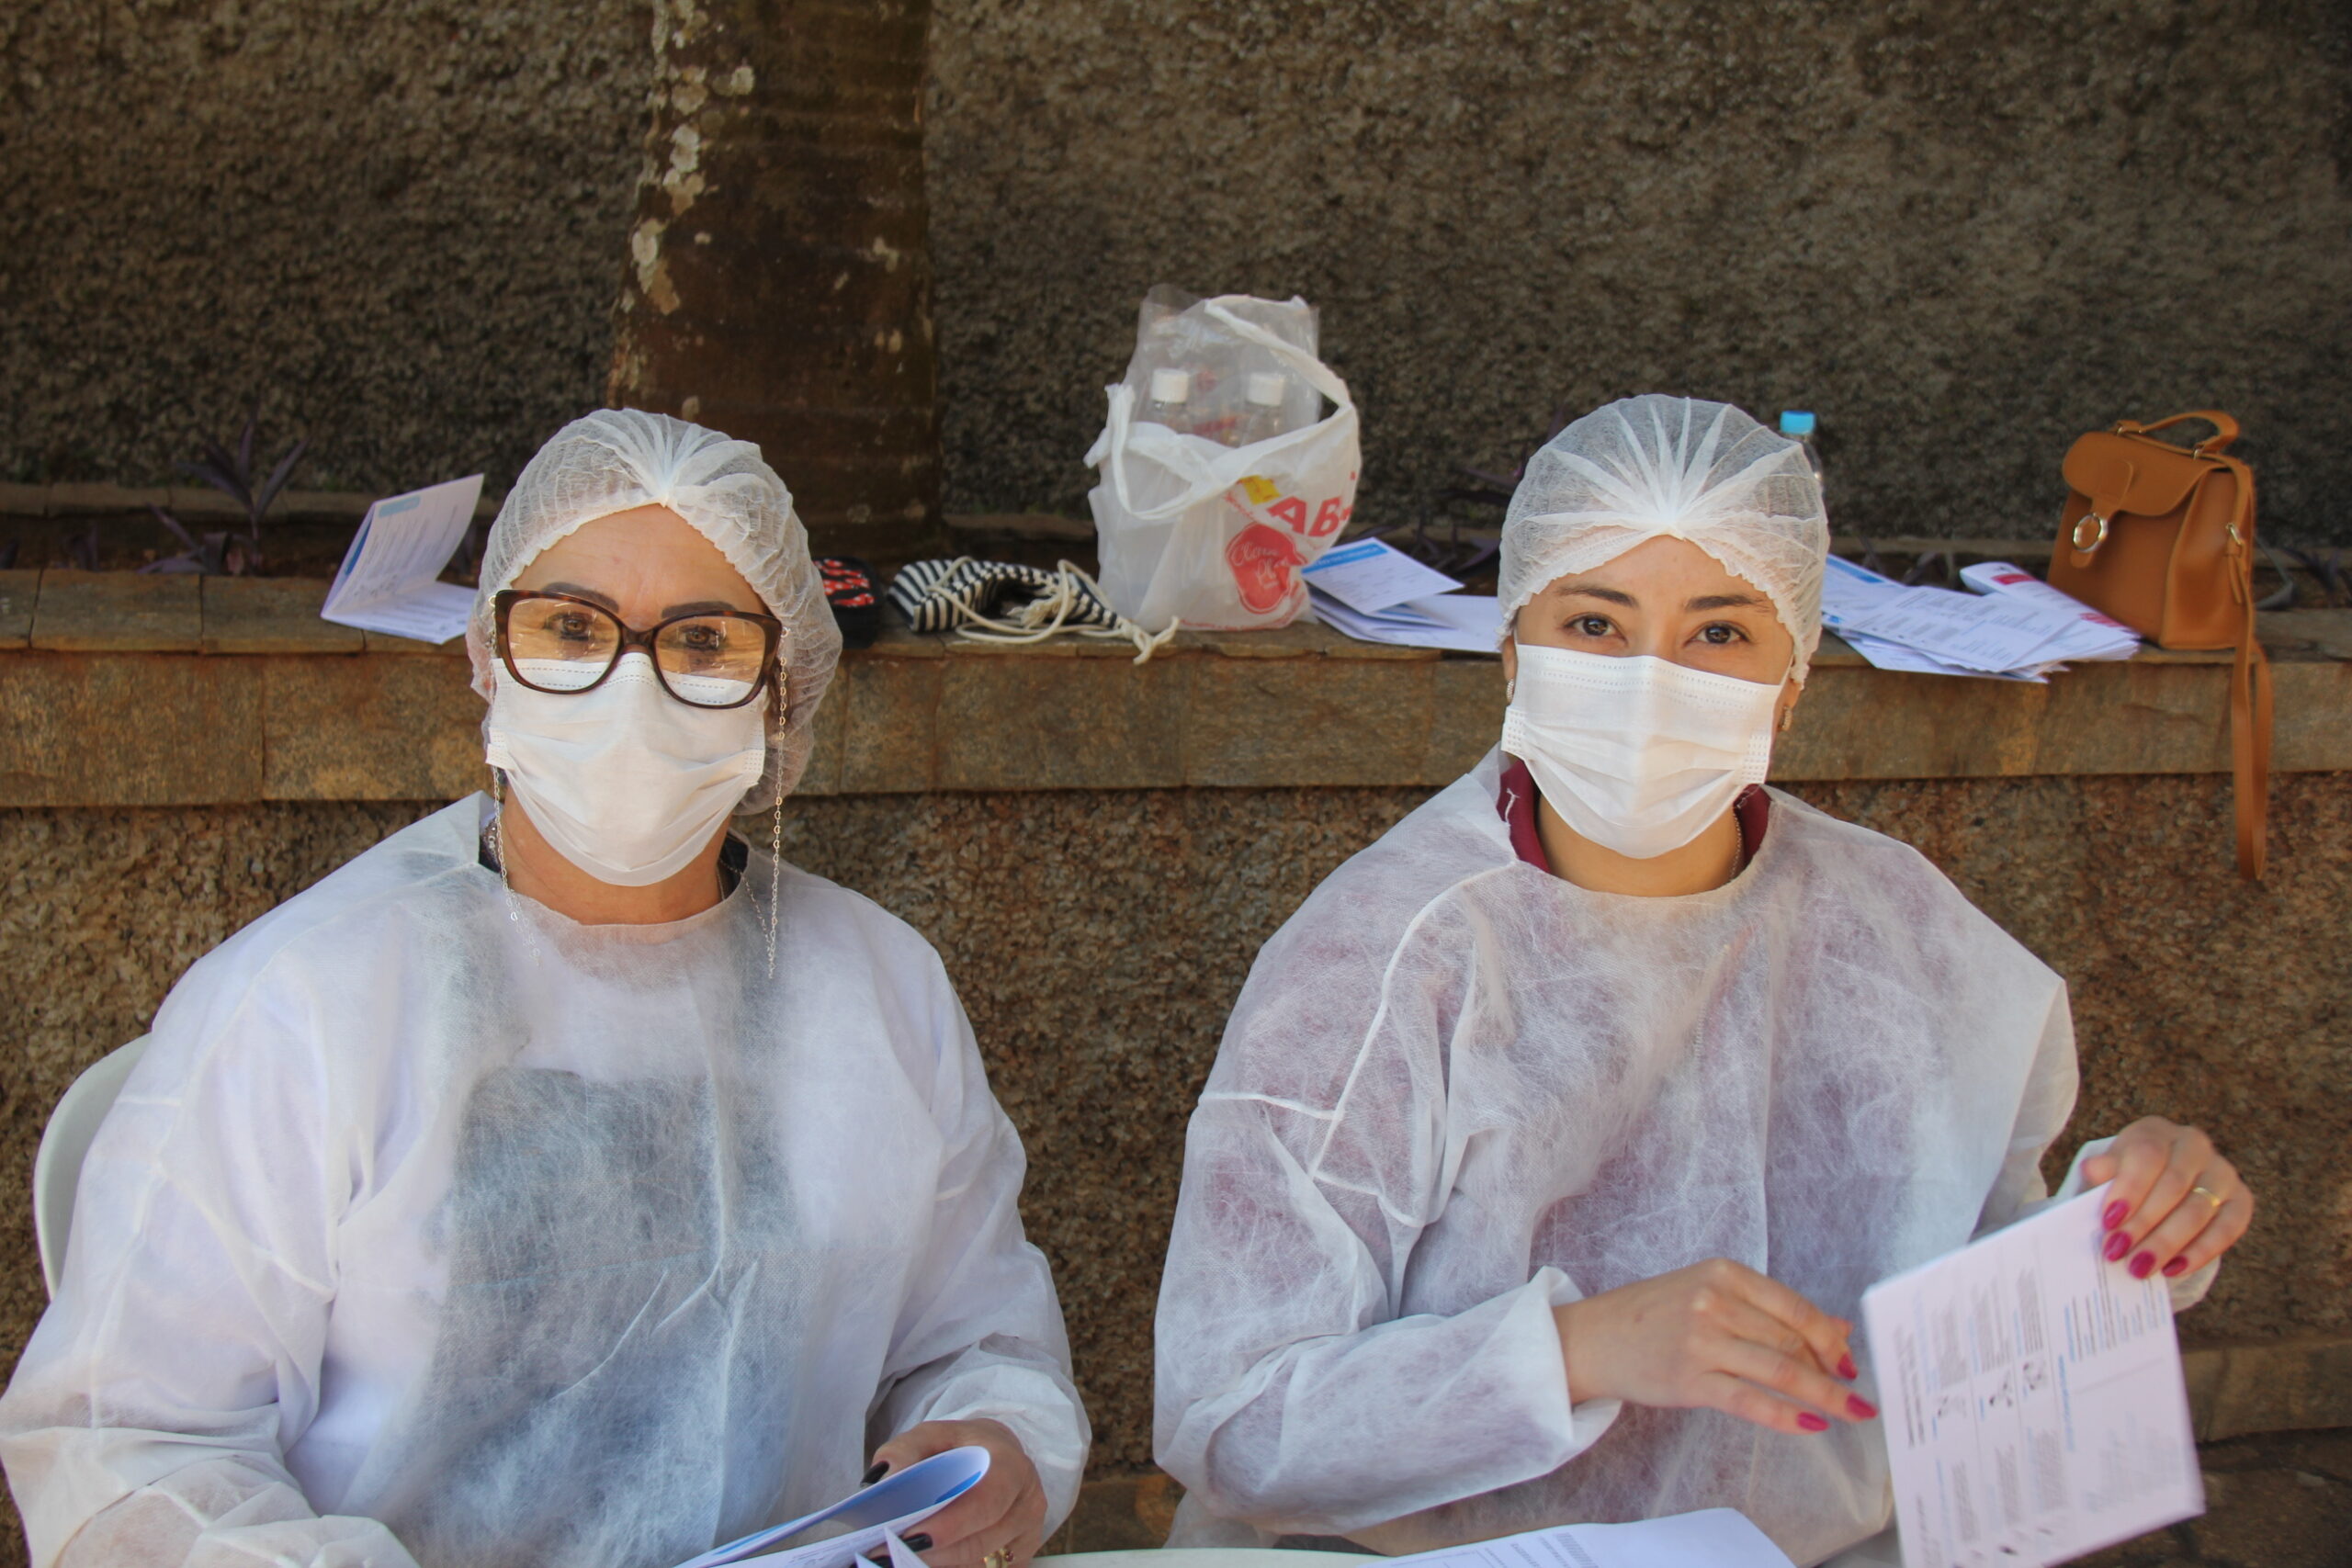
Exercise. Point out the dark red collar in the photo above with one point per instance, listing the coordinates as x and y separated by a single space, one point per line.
1515 804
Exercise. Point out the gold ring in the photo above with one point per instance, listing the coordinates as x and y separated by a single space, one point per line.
2203 1192
999 1559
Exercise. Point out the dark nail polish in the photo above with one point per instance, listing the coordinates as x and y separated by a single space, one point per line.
918 1542
2144 1265
2176 1268
881 1468
1812 1423
1847 1369
2117 1246
1862 1409
2115 1213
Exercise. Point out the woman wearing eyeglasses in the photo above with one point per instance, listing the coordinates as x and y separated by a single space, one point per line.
565 1181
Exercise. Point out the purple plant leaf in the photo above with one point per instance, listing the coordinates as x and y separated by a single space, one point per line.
246 443
172 522
276 481
216 474
171 565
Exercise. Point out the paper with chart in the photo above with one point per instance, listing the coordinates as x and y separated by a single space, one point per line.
2031 1397
1712 1538
389 581
867 1524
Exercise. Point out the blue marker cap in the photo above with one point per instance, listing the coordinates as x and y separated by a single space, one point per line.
1795 422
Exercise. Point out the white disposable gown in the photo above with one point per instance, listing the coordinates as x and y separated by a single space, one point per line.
1458 1091
426 1233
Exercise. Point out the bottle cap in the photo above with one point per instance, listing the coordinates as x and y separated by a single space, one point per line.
1170 385
1266 389
1795 422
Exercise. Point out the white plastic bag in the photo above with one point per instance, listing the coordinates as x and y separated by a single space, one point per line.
1191 529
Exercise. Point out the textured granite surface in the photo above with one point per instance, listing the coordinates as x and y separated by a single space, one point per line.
1099 937
401 228
1963 235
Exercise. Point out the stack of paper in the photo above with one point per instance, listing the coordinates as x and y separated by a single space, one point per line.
2095 636
1712 1538
864 1526
387 582
1373 594
2019 629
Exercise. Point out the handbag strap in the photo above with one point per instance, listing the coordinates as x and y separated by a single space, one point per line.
2225 430
2250 696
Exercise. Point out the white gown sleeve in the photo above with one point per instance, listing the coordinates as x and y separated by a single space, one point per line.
2049 1101
980 1336
146 1423
1284 1376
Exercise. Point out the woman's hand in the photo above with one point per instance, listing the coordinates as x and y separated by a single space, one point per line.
1716 1335
1006 1512
2176 1205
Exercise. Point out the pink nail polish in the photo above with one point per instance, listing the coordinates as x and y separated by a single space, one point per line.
2176 1268
1847 1369
2144 1265
1862 1409
1812 1423
2117 1246
2115 1213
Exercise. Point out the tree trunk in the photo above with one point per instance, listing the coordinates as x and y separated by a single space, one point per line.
779 284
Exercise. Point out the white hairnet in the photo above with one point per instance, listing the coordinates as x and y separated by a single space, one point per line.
617 460
1655 467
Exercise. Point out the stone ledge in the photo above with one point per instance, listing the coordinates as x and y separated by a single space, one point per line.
122 690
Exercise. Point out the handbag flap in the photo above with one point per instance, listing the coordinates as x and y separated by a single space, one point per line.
2139 475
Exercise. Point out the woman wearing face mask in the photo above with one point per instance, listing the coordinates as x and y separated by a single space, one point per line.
1554 1141
567 1183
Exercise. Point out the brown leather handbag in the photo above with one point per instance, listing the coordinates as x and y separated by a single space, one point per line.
2161 537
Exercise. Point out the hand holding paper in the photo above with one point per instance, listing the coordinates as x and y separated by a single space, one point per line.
871 1523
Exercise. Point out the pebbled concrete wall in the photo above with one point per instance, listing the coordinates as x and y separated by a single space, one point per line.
1962 233
1098 938
400 227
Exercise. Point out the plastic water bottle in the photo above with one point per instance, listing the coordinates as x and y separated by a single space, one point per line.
1261 416
1798 426
1170 400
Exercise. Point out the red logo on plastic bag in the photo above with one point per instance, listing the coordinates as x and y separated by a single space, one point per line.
1262 560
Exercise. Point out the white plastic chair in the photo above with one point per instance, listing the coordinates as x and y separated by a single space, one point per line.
57 1169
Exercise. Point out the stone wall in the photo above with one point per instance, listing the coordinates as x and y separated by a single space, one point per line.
1098 938
1962 234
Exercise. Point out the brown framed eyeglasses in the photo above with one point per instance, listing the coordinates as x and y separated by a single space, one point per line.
564 644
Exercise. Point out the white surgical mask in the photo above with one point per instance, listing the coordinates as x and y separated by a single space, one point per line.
627 781
1640 754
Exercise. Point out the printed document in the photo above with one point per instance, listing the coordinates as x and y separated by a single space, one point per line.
1369 576
1463 622
1712 1538
2032 1398
867 1525
389 581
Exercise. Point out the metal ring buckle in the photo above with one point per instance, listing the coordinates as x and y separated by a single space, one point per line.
2096 539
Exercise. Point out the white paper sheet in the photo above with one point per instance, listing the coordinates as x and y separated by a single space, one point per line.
1462 623
868 1523
1370 576
1888 655
2094 636
2032 1396
1712 1538
387 582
